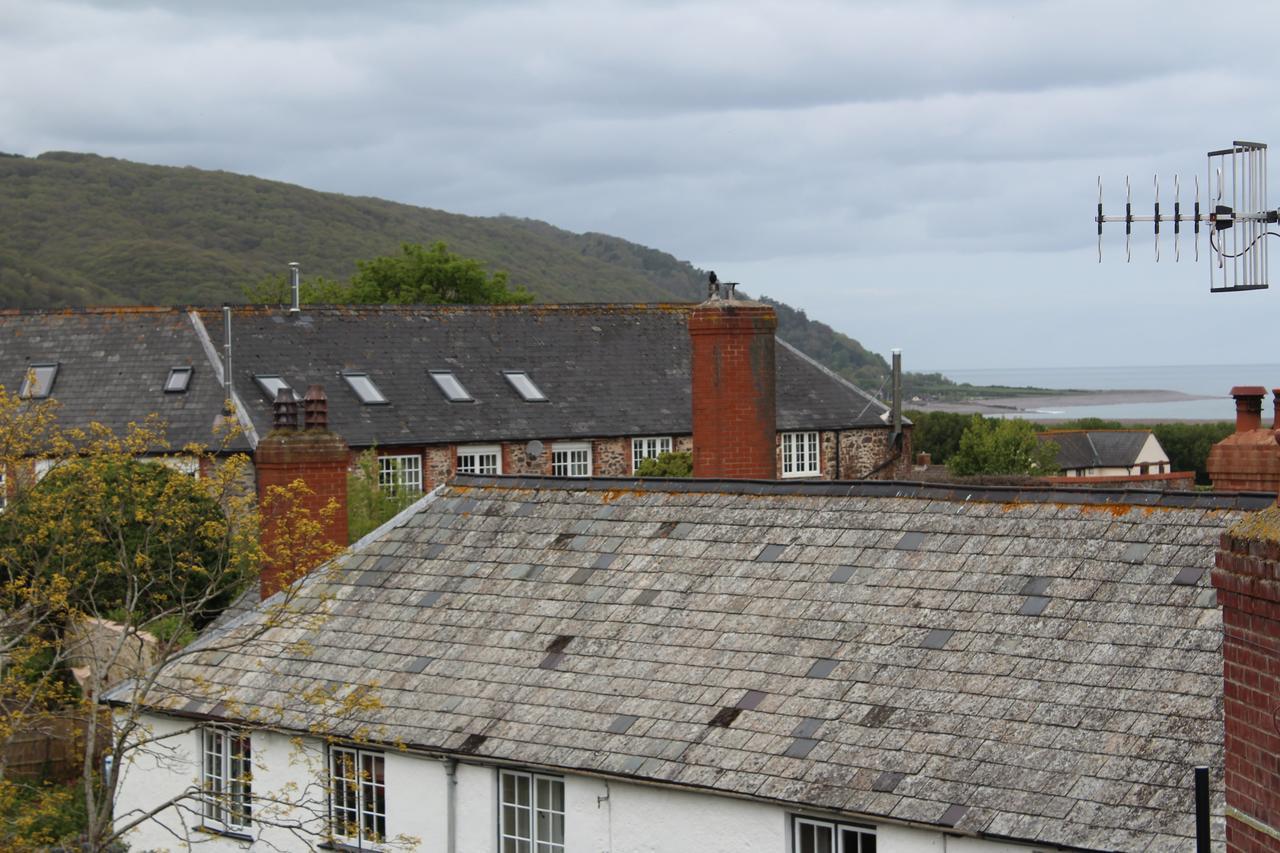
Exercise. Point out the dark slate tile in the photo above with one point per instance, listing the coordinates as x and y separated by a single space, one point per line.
807 727
1034 605
910 541
581 576
1035 586
434 550
841 574
877 716
430 598
887 781
952 815
937 638
645 597
800 747
725 717
1188 576
751 699
770 553
604 561
418 664
552 661
821 668
622 723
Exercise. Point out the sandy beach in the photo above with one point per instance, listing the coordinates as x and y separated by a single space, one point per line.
1007 405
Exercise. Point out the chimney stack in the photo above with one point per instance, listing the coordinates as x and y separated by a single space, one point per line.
734 424
1246 578
295 284
1248 406
318 458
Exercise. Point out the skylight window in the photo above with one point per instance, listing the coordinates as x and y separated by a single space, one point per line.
271 385
179 379
38 383
524 386
365 389
452 389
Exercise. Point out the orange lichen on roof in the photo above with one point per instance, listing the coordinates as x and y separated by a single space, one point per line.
608 496
1260 526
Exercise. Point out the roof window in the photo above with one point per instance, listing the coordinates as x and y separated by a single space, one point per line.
38 383
365 389
452 389
179 379
271 384
524 386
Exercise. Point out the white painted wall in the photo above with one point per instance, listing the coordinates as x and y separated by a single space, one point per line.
600 816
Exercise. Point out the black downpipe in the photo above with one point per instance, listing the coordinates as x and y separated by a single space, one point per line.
1202 809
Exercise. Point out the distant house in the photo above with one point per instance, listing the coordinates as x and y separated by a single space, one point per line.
567 390
1108 453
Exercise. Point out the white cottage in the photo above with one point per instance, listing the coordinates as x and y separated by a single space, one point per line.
530 665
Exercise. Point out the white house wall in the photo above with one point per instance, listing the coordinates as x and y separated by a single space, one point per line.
600 816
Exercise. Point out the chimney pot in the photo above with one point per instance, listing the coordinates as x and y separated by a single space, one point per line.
924 459
316 407
1248 406
284 410
1275 405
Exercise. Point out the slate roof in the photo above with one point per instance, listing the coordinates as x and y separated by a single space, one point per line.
1097 448
606 369
112 368
1026 664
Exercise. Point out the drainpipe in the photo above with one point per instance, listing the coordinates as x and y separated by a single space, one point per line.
226 348
897 395
1203 844
295 284
451 772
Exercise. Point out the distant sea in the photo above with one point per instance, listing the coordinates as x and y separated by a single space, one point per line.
1202 380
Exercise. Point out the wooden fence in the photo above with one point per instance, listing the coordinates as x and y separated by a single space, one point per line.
52 749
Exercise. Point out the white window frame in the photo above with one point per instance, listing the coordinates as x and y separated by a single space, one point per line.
525 386
34 385
864 836
4 487
226 779
571 459
359 792
400 474
43 467
476 453
178 380
801 454
649 447
538 808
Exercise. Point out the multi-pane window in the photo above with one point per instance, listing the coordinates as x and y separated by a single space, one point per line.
531 817
480 460
358 797
571 459
824 836
38 381
226 783
648 448
400 475
800 454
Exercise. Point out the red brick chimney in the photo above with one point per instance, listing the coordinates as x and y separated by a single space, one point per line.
1248 406
317 457
1247 580
734 425
1249 458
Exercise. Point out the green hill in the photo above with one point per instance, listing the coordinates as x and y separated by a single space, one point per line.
78 229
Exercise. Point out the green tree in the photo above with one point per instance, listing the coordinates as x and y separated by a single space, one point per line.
433 276
1002 446
369 505
1188 444
937 433
671 463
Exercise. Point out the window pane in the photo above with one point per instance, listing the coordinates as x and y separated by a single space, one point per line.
450 386
179 378
364 388
38 381
525 386
271 385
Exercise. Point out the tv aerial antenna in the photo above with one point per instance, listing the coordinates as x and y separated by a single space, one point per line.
1235 216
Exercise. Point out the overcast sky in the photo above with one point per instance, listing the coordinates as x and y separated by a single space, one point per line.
920 175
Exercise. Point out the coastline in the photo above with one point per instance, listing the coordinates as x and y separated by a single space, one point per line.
1056 402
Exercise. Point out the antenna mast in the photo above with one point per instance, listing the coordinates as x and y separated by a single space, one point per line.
1238 259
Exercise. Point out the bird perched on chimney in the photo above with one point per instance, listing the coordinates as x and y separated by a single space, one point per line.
712 284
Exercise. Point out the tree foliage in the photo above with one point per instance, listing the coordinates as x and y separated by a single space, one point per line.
937 433
670 463
1188 444
106 567
369 505
1002 446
